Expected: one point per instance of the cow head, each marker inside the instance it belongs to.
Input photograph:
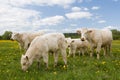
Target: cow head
(84, 33)
(25, 63)
(14, 36)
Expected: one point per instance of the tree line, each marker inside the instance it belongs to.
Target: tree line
(116, 35)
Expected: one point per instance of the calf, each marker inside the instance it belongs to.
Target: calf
(41, 46)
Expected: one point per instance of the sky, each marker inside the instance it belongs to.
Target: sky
(64, 16)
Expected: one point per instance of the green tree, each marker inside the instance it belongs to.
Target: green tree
(116, 34)
(6, 35)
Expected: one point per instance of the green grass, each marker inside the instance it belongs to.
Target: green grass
(79, 68)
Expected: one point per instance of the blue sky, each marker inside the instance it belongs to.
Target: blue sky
(58, 15)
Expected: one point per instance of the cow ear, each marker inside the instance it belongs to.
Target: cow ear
(78, 31)
(27, 57)
(89, 31)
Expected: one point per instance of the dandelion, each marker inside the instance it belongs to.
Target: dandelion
(103, 62)
(27, 71)
(64, 67)
(55, 73)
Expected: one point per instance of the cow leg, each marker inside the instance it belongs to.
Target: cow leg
(64, 55)
(45, 59)
(83, 52)
(70, 52)
(105, 50)
(98, 50)
(79, 52)
(56, 54)
(74, 51)
(109, 49)
(91, 51)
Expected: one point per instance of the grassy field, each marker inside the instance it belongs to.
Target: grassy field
(79, 68)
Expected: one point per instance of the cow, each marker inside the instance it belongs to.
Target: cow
(24, 39)
(41, 46)
(98, 39)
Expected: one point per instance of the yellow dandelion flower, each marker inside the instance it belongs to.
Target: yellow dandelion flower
(103, 62)
(55, 73)
(64, 67)
(27, 71)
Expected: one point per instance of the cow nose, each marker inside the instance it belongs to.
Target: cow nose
(82, 39)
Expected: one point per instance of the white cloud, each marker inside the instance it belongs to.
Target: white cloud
(21, 3)
(102, 21)
(86, 9)
(14, 18)
(73, 25)
(52, 20)
(78, 15)
(76, 9)
(80, 1)
(95, 8)
(20, 19)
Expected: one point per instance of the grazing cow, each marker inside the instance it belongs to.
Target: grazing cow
(41, 46)
(24, 39)
(98, 39)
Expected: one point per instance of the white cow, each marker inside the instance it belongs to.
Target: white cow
(41, 46)
(98, 39)
(68, 41)
(75, 45)
(78, 45)
(24, 39)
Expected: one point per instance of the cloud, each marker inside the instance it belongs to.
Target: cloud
(74, 25)
(86, 9)
(52, 20)
(102, 21)
(21, 3)
(14, 18)
(20, 19)
(80, 1)
(78, 15)
(76, 9)
(95, 8)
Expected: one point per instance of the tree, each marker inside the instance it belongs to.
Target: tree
(6, 35)
(116, 34)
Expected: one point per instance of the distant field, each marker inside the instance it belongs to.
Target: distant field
(79, 68)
